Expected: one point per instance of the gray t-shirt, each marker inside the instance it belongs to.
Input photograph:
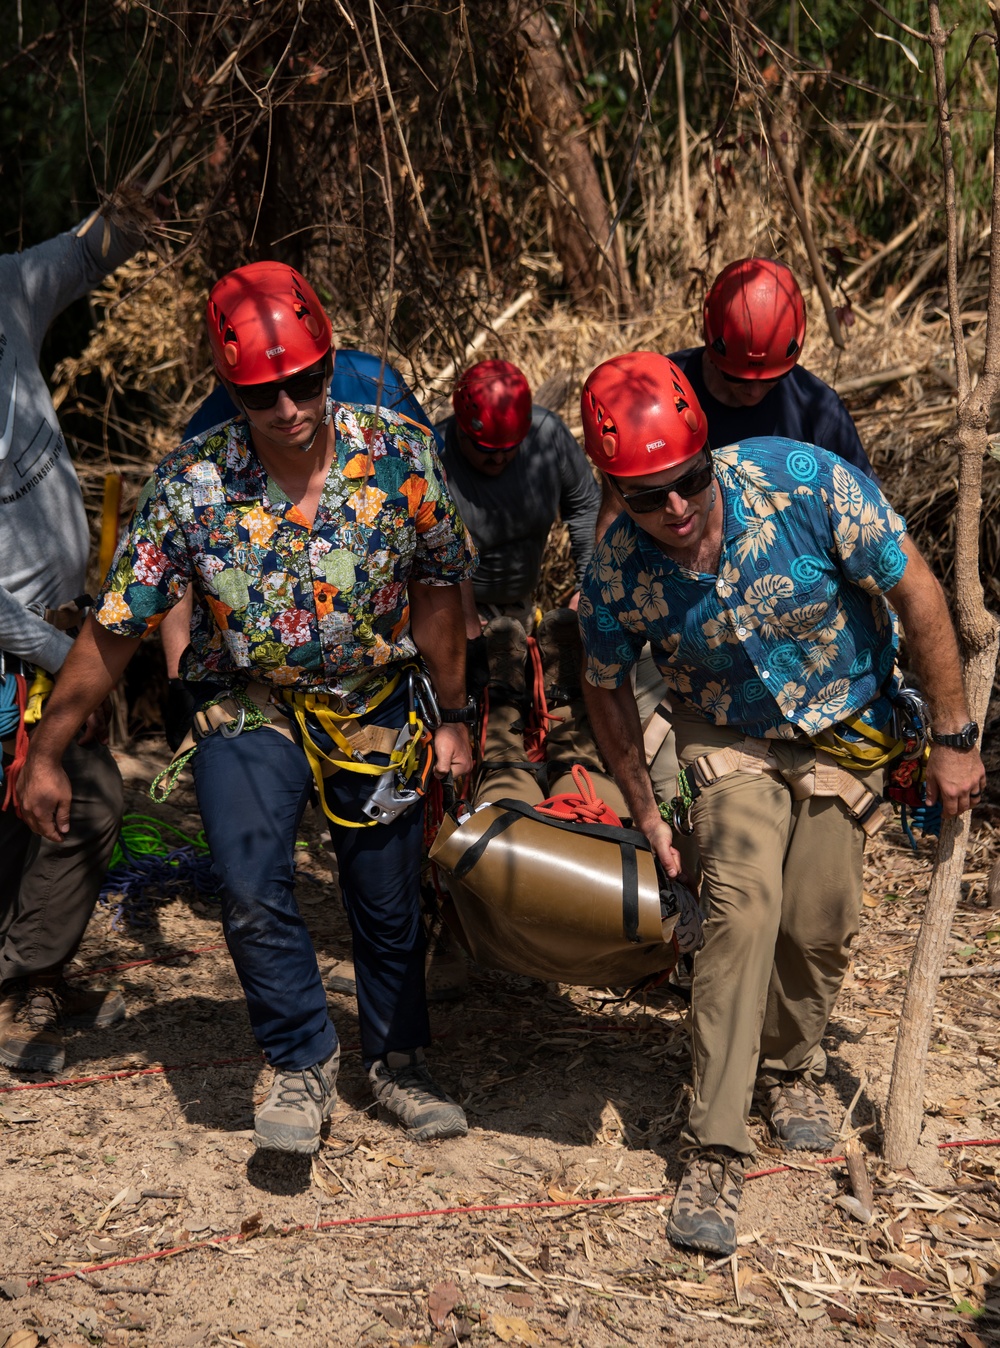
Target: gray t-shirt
(44, 539)
(509, 517)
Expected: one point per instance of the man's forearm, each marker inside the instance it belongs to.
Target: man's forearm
(931, 642)
(438, 628)
(614, 717)
(88, 674)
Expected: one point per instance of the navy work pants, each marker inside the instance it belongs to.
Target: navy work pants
(252, 792)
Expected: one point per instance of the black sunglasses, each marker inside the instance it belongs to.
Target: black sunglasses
(648, 499)
(301, 388)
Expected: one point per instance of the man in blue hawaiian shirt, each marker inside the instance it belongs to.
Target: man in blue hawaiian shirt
(326, 558)
(760, 576)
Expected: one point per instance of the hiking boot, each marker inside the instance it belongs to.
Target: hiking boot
(800, 1118)
(447, 974)
(291, 1117)
(30, 1040)
(88, 1008)
(507, 648)
(402, 1085)
(341, 978)
(703, 1215)
(561, 648)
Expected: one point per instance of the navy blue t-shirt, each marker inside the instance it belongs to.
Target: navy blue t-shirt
(799, 407)
(355, 380)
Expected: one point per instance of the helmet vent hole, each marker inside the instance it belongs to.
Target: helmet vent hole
(793, 347)
(719, 345)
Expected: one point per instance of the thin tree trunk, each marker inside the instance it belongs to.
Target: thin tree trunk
(580, 217)
(977, 630)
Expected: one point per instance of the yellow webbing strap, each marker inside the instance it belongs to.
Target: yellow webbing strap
(875, 750)
(38, 694)
(404, 760)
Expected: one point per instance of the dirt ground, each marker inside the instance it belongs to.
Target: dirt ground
(135, 1210)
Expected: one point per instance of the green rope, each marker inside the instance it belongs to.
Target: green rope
(255, 718)
(678, 812)
(143, 836)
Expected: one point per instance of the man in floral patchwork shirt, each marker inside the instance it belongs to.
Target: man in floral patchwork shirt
(760, 576)
(325, 556)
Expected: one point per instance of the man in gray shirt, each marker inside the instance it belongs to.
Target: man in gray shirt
(47, 890)
(512, 469)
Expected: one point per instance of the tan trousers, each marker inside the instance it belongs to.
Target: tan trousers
(782, 891)
(570, 740)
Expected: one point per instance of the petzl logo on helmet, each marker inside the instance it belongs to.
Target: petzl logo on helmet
(655, 444)
(273, 351)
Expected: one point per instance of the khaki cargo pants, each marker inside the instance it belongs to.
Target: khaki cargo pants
(782, 894)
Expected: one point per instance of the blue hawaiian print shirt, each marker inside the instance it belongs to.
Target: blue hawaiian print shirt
(319, 607)
(793, 633)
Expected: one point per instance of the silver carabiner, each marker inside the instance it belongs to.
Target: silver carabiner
(421, 685)
(231, 729)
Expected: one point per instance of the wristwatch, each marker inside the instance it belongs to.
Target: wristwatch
(965, 738)
(462, 715)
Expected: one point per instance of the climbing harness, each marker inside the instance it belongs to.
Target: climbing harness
(902, 748)
(401, 782)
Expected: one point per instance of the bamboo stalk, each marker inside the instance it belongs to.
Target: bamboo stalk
(682, 126)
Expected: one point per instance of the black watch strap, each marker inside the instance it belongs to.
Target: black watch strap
(459, 715)
(963, 739)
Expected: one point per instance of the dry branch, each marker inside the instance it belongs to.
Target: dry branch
(977, 630)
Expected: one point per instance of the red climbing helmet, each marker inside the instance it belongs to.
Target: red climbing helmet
(755, 320)
(492, 402)
(640, 415)
(265, 323)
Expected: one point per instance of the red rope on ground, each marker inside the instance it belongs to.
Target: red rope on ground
(126, 1072)
(137, 964)
(375, 1218)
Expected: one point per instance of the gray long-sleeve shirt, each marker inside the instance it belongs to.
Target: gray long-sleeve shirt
(509, 517)
(44, 539)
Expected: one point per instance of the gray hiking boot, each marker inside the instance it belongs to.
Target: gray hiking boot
(800, 1118)
(291, 1117)
(703, 1215)
(507, 649)
(30, 1038)
(402, 1085)
(341, 978)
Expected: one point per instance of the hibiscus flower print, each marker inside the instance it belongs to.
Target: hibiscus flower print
(648, 597)
(601, 675)
(716, 702)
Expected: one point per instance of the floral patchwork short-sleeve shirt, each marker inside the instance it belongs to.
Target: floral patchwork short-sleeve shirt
(317, 609)
(793, 633)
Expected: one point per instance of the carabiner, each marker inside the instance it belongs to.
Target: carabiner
(231, 729)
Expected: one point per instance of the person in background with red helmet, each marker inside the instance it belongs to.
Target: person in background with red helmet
(326, 557)
(513, 469)
(761, 575)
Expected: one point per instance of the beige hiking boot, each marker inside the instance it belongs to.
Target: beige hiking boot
(703, 1215)
(291, 1117)
(403, 1085)
(799, 1116)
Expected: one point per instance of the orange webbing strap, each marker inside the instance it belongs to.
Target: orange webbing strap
(585, 808)
(537, 729)
(20, 745)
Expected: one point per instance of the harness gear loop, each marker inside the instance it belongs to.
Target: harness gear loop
(249, 716)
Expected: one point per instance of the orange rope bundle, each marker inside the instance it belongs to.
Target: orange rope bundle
(585, 808)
